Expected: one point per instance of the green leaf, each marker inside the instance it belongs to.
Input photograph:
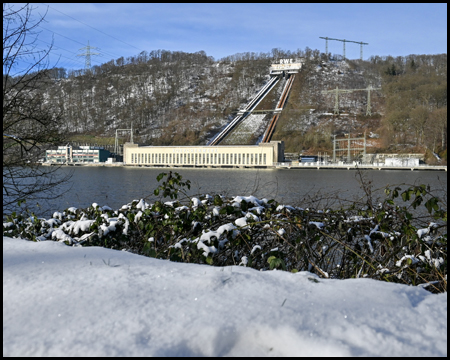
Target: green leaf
(429, 206)
(272, 261)
(380, 216)
(230, 209)
(417, 201)
(405, 195)
(218, 200)
(148, 250)
(275, 262)
(432, 204)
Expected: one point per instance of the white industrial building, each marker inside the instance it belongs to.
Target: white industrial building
(262, 155)
(401, 161)
(80, 154)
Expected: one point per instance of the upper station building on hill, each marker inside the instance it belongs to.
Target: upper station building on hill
(286, 66)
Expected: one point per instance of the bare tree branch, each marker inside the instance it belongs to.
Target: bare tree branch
(30, 124)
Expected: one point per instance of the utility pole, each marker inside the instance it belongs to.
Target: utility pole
(361, 50)
(369, 107)
(334, 149)
(344, 47)
(88, 54)
(365, 144)
(348, 150)
(116, 143)
(326, 45)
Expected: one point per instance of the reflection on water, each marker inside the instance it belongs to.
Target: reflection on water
(115, 186)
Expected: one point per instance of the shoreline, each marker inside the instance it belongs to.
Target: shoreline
(276, 166)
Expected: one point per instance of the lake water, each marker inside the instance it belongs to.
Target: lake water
(116, 186)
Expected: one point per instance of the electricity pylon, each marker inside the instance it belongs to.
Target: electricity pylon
(88, 54)
(336, 98)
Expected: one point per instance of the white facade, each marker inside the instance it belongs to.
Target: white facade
(401, 162)
(264, 154)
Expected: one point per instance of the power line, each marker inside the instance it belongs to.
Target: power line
(93, 27)
(73, 61)
(88, 53)
(55, 47)
(104, 52)
(54, 32)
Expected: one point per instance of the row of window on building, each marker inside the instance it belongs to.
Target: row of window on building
(63, 155)
(199, 159)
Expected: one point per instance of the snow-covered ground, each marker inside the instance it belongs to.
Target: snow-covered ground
(90, 301)
(251, 125)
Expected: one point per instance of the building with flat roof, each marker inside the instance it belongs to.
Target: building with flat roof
(74, 154)
(262, 155)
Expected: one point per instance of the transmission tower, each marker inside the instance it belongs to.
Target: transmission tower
(88, 54)
(336, 97)
(344, 41)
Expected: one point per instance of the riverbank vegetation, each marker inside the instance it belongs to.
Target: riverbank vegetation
(400, 238)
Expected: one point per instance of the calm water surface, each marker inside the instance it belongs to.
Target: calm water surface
(118, 186)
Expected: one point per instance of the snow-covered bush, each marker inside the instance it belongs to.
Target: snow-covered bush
(386, 241)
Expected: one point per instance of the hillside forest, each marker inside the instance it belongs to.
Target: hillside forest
(177, 98)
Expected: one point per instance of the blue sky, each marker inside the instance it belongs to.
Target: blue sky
(225, 29)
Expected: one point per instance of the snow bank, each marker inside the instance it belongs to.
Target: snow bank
(91, 301)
